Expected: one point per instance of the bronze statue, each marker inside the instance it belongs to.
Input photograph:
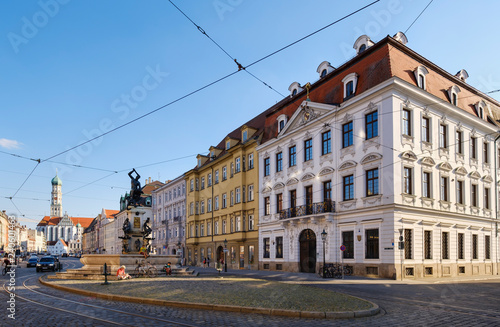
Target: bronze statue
(146, 229)
(135, 188)
(126, 227)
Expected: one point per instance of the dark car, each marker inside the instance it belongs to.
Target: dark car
(32, 262)
(64, 255)
(48, 263)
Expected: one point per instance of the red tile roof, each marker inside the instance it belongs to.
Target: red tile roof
(63, 243)
(111, 213)
(54, 221)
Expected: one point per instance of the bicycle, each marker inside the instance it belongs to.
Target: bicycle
(144, 268)
(5, 270)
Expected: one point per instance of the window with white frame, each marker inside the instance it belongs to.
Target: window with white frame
(250, 192)
(245, 136)
(408, 180)
(426, 129)
(224, 226)
(217, 176)
(407, 122)
(420, 75)
(232, 198)
(350, 83)
(443, 185)
(203, 183)
(224, 173)
(216, 205)
(224, 200)
(238, 195)
(202, 206)
(238, 224)
(238, 165)
(209, 205)
(250, 222)
(250, 161)
(216, 228)
(443, 136)
(228, 145)
(453, 94)
(209, 179)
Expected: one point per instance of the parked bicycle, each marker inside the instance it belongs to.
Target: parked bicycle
(145, 269)
(334, 270)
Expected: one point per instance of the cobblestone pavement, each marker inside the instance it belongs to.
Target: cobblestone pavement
(415, 303)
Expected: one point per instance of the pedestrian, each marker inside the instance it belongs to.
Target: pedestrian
(208, 262)
(121, 274)
(168, 269)
(144, 252)
(205, 263)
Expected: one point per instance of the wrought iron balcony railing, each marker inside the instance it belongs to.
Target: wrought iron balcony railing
(308, 209)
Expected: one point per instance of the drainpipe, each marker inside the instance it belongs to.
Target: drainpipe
(496, 197)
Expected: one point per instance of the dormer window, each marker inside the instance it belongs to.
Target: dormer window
(350, 82)
(453, 94)
(245, 136)
(199, 162)
(462, 75)
(324, 69)
(228, 145)
(212, 154)
(420, 75)
(294, 89)
(362, 43)
(282, 119)
(480, 108)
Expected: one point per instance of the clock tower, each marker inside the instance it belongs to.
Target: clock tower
(56, 198)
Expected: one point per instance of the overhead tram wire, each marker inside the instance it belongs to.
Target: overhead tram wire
(203, 87)
(418, 16)
(199, 89)
(240, 67)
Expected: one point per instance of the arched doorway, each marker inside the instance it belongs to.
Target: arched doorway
(220, 253)
(307, 241)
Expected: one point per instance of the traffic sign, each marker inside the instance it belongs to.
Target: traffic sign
(342, 247)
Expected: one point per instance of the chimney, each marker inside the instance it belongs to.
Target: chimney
(146, 181)
(149, 180)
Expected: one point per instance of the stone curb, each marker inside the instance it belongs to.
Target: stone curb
(228, 308)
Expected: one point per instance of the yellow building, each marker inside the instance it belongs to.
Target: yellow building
(221, 201)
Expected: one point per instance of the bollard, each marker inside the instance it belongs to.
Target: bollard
(106, 274)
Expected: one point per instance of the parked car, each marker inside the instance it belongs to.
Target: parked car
(48, 263)
(32, 261)
(64, 255)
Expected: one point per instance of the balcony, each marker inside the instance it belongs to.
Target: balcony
(308, 209)
(177, 219)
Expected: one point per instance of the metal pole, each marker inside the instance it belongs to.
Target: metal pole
(324, 261)
(342, 256)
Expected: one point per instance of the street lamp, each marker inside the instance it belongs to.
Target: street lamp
(323, 237)
(225, 251)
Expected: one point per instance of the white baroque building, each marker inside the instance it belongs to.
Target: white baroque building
(169, 217)
(386, 147)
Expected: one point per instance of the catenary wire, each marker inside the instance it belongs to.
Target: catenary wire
(240, 67)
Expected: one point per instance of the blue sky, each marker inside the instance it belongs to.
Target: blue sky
(72, 69)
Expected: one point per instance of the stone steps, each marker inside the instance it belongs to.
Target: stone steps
(96, 274)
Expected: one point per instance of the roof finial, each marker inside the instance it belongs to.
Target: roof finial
(308, 87)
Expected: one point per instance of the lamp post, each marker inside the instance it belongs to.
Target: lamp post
(323, 237)
(225, 251)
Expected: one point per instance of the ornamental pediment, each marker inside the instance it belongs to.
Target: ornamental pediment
(326, 171)
(307, 177)
(307, 112)
(488, 179)
(427, 161)
(475, 175)
(409, 155)
(371, 157)
(267, 189)
(461, 171)
(445, 166)
(278, 186)
(348, 164)
(292, 181)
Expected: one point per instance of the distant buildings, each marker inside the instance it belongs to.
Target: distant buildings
(169, 217)
(55, 226)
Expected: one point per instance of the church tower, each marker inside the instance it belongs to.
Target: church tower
(56, 199)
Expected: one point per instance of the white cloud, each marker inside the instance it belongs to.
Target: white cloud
(9, 144)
